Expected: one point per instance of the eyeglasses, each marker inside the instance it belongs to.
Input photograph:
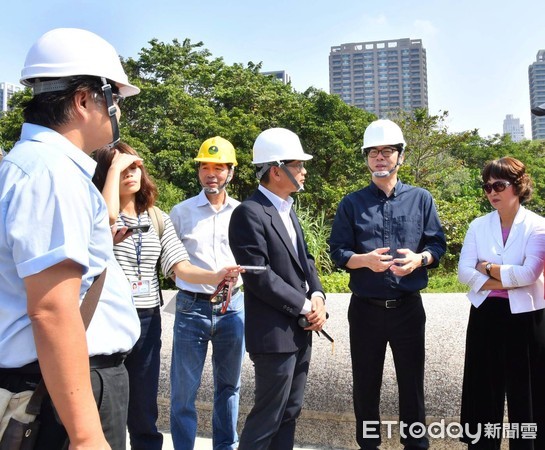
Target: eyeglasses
(118, 99)
(297, 166)
(386, 152)
(498, 186)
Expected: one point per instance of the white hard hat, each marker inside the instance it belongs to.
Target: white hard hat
(66, 52)
(382, 132)
(278, 144)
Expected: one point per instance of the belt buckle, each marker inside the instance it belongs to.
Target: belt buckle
(391, 304)
(223, 294)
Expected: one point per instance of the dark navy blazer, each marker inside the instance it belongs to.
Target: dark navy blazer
(273, 298)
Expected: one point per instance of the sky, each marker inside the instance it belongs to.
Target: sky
(478, 51)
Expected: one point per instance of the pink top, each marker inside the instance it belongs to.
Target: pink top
(501, 292)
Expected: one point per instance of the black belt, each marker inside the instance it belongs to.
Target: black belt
(206, 297)
(388, 303)
(105, 361)
(96, 362)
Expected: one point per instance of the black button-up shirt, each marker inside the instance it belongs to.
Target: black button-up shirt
(367, 219)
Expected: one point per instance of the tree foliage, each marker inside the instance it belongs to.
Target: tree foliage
(188, 95)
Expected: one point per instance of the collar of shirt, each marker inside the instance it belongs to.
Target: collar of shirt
(202, 200)
(283, 207)
(59, 143)
(379, 192)
(279, 203)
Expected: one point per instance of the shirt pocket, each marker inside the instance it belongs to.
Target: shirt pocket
(408, 231)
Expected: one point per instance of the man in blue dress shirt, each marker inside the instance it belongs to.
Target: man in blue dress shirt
(55, 239)
(386, 236)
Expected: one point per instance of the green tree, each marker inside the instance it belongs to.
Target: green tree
(11, 121)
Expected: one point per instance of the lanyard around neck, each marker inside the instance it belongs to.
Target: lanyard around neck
(137, 246)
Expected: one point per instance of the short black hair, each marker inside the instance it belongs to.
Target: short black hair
(54, 108)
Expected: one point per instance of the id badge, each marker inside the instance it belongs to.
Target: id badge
(140, 288)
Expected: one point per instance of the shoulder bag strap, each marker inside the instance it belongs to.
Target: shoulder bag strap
(156, 217)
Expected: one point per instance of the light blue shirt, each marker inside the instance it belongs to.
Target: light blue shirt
(204, 231)
(50, 211)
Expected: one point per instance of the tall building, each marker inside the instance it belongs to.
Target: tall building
(280, 75)
(6, 91)
(513, 127)
(536, 76)
(380, 76)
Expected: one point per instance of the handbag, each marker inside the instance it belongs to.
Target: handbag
(19, 411)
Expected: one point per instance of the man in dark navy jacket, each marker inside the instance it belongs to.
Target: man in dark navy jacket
(264, 231)
(387, 235)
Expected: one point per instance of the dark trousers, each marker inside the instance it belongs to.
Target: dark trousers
(505, 357)
(280, 380)
(143, 365)
(372, 327)
(111, 391)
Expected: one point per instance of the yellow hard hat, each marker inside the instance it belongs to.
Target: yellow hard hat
(217, 150)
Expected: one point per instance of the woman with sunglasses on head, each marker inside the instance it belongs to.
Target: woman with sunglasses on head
(130, 193)
(502, 263)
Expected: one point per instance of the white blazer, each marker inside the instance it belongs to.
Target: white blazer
(521, 259)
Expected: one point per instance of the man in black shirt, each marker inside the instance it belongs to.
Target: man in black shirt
(386, 236)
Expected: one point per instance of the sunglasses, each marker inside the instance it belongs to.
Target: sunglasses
(498, 186)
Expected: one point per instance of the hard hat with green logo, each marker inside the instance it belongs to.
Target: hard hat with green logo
(217, 150)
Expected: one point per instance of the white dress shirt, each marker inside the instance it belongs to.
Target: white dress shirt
(204, 231)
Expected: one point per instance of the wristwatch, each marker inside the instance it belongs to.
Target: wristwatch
(424, 260)
(487, 268)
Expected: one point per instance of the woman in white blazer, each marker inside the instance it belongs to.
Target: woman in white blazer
(502, 263)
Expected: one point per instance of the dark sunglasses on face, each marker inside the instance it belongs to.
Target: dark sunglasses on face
(498, 186)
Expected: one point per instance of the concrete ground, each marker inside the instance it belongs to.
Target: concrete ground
(327, 420)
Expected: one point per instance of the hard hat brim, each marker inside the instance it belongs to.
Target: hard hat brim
(300, 157)
(127, 90)
(215, 160)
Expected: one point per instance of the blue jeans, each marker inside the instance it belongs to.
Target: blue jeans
(143, 365)
(198, 322)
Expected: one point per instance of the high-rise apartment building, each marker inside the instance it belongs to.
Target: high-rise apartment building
(6, 91)
(380, 76)
(536, 76)
(513, 127)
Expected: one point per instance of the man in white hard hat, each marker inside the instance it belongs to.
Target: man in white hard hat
(202, 224)
(55, 239)
(264, 231)
(387, 235)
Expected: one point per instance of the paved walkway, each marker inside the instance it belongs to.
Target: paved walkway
(327, 420)
(200, 444)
